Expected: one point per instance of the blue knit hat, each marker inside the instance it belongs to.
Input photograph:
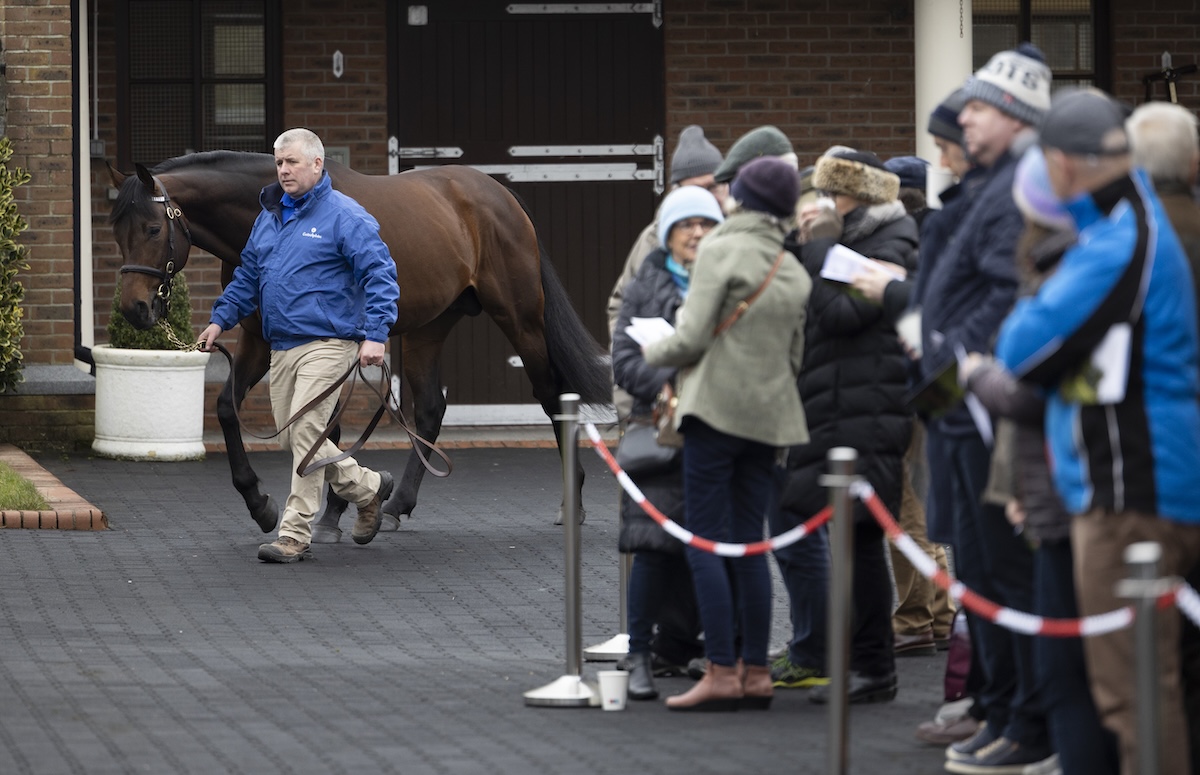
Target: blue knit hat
(911, 170)
(686, 202)
(943, 121)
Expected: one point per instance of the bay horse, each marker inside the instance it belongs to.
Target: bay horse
(463, 244)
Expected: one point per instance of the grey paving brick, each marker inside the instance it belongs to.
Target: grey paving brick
(164, 646)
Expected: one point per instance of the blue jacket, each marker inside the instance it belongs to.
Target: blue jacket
(325, 274)
(1140, 452)
(973, 282)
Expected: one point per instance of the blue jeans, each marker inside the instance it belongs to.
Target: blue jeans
(1083, 745)
(728, 484)
(993, 560)
(804, 567)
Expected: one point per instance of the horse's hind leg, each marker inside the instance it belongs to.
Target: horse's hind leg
(325, 529)
(422, 348)
(252, 361)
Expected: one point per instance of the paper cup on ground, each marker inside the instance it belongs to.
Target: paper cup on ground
(614, 688)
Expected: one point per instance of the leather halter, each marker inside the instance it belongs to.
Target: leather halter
(167, 274)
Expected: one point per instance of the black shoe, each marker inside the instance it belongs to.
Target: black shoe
(641, 677)
(861, 689)
(661, 668)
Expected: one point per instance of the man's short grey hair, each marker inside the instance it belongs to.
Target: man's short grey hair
(1164, 140)
(305, 139)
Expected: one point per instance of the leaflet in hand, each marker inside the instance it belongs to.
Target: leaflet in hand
(842, 264)
(646, 331)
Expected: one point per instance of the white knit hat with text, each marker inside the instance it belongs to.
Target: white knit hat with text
(1016, 82)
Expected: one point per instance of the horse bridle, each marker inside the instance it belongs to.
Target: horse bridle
(166, 275)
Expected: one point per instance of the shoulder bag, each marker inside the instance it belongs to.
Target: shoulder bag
(668, 398)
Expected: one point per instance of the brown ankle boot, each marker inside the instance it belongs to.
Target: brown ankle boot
(720, 689)
(756, 687)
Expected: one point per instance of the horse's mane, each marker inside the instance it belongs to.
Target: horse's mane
(133, 200)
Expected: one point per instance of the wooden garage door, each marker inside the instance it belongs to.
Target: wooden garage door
(564, 104)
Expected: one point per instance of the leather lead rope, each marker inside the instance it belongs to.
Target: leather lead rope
(305, 467)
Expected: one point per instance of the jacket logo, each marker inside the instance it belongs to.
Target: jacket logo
(311, 233)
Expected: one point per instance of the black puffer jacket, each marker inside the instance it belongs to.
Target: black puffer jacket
(653, 293)
(855, 372)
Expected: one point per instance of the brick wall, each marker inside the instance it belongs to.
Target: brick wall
(350, 111)
(1141, 33)
(37, 44)
(832, 73)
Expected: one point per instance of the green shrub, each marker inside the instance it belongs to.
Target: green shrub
(179, 317)
(12, 261)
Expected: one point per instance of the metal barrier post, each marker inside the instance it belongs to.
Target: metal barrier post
(841, 601)
(570, 690)
(1144, 586)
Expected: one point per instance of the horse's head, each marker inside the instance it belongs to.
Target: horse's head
(154, 239)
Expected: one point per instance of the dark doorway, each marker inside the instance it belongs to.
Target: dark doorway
(566, 108)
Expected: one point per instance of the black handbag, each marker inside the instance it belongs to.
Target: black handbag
(639, 452)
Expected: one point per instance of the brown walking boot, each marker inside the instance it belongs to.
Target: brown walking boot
(757, 690)
(285, 549)
(719, 690)
(369, 516)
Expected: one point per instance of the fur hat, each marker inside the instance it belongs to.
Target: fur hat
(1085, 122)
(943, 121)
(1015, 82)
(763, 141)
(767, 185)
(1035, 197)
(694, 155)
(683, 203)
(858, 174)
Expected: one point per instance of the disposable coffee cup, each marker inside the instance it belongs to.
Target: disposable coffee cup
(614, 689)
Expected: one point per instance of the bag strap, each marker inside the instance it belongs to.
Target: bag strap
(745, 303)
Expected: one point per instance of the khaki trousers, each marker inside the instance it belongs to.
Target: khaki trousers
(1099, 539)
(922, 604)
(298, 375)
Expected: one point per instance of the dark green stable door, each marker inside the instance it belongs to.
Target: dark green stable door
(564, 104)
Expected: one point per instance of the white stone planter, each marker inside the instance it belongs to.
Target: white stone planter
(149, 404)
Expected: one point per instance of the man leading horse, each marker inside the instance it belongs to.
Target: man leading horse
(325, 285)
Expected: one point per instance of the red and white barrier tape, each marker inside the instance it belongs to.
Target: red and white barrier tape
(688, 537)
(1017, 621)
(1183, 596)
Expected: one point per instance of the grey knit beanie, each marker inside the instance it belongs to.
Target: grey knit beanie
(763, 141)
(694, 155)
(1015, 82)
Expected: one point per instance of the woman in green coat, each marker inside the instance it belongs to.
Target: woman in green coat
(738, 407)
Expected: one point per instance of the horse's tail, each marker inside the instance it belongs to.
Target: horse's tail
(581, 364)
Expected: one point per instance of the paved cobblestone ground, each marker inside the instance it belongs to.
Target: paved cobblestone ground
(164, 646)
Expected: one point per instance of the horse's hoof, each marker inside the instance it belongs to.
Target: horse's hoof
(268, 516)
(582, 516)
(389, 523)
(326, 535)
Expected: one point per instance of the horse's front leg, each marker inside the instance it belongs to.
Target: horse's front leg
(252, 361)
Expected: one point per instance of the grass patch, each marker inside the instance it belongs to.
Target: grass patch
(18, 493)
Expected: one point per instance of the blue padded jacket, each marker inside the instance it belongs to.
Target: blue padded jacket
(1138, 452)
(325, 274)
